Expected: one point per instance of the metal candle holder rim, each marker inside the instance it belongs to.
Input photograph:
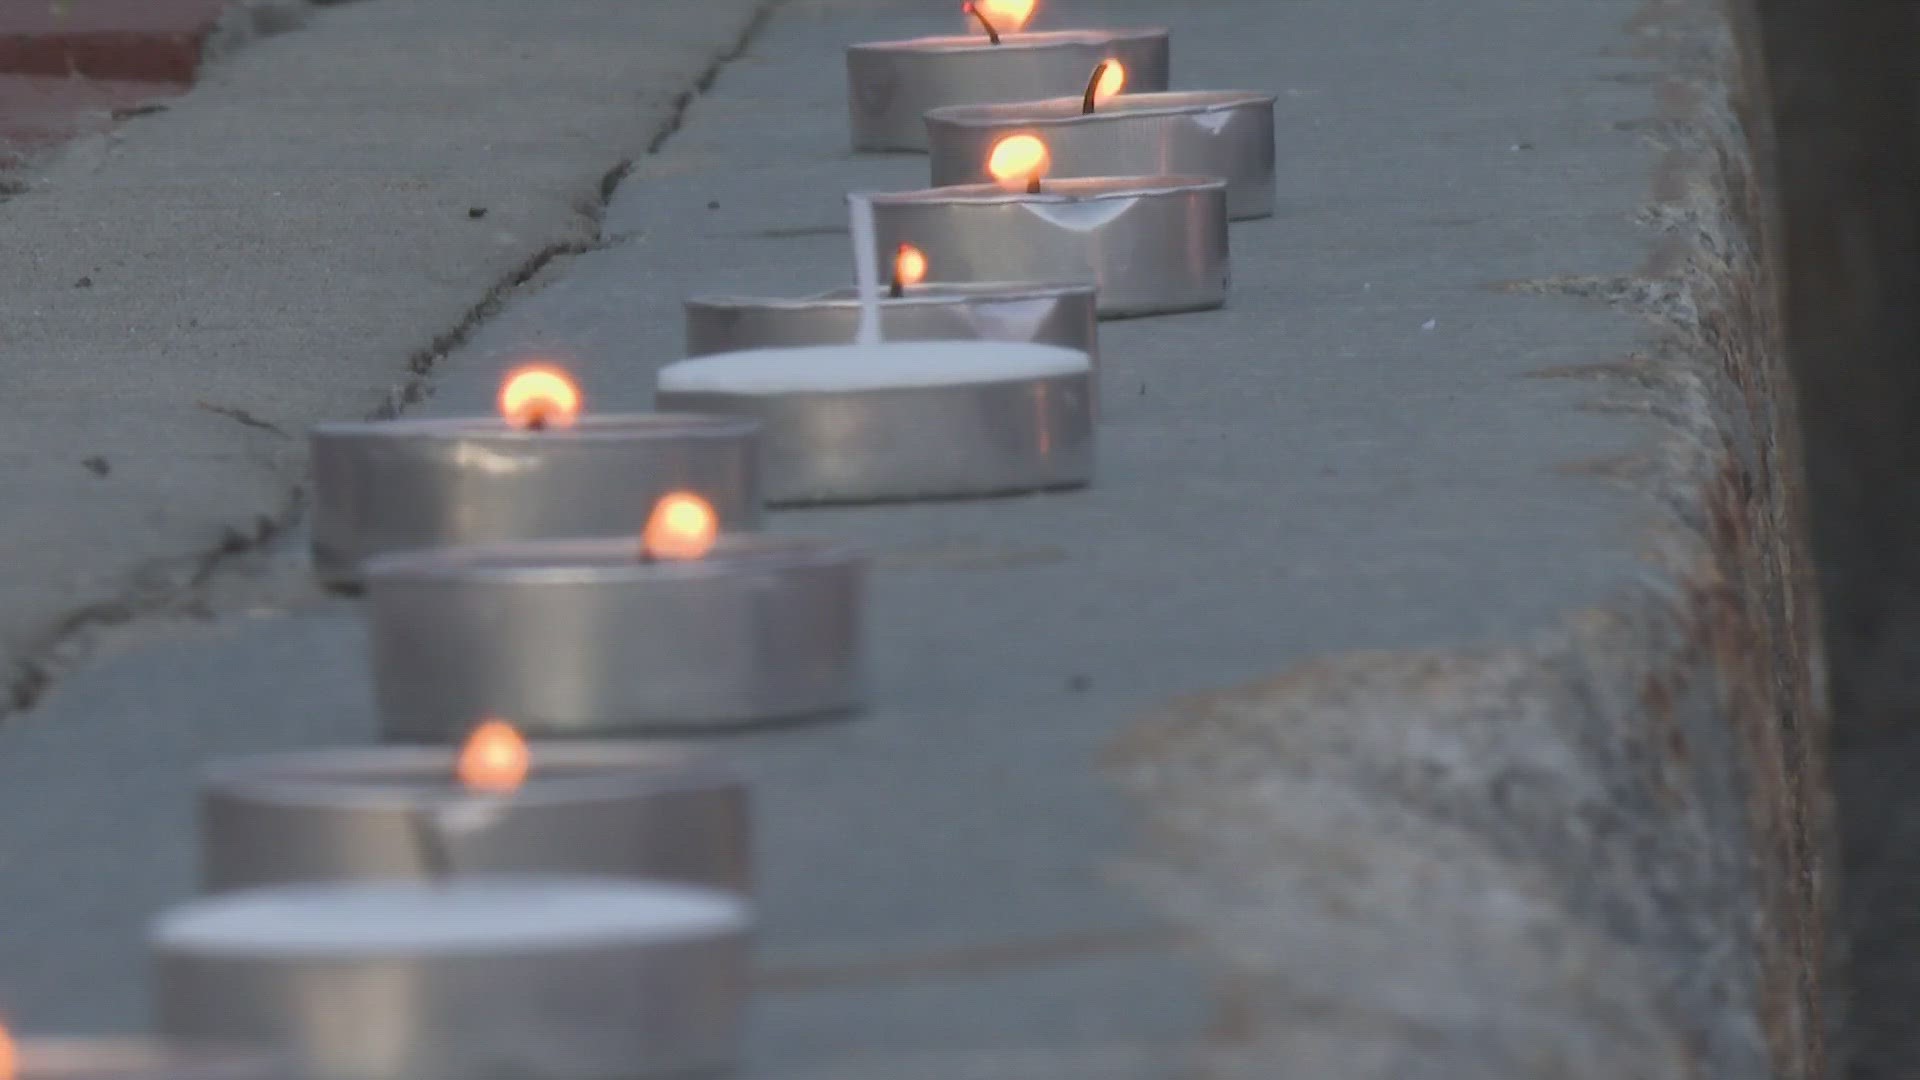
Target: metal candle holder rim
(592, 428)
(1079, 189)
(604, 767)
(1068, 111)
(604, 561)
(1011, 40)
(103, 1059)
(929, 293)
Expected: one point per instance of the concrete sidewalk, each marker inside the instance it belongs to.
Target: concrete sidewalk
(323, 216)
(1477, 855)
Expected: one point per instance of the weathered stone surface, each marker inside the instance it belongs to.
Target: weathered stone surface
(1597, 854)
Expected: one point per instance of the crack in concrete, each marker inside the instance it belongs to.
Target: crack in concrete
(242, 416)
(168, 586)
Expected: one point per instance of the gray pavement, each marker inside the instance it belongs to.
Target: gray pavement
(1353, 455)
(275, 247)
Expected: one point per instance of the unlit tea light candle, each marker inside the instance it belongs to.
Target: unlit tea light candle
(471, 977)
(498, 804)
(903, 420)
(1228, 134)
(684, 629)
(1149, 244)
(892, 84)
(543, 469)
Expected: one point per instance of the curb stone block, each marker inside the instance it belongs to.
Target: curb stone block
(134, 40)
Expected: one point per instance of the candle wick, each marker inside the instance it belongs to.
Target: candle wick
(993, 34)
(1093, 88)
(537, 420)
(430, 842)
(1033, 184)
(898, 289)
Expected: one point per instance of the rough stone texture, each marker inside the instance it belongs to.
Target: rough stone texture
(1601, 854)
(1833, 101)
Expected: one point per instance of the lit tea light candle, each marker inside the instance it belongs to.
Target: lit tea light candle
(690, 628)
(544, 468)
(126, 1059)
(498, 804)
(913, 310)
(894, 83)
(1150, 244)
(1102, 132)
(468, 977)
(878, 420)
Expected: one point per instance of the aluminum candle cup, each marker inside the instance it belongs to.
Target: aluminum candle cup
(1061, 315)
(614, 809)
(1228, 134)
(903, 420)
(582, 638)
(1150, 245)
(400, 485)
(892, 84)
(63, 1059)
(465, 978)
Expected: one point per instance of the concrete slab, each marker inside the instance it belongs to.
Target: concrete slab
(287, 243)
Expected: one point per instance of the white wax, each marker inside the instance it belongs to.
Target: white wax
(467, 913)
(866, 271)
(887, 366)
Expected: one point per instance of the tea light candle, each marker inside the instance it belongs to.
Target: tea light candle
(894, 83)
(1150, 244)
(127, 1059)
(903, 420)
(470, 977)
(1061, 315)
(540, 470)
(685, 630)
(1228, 134)
(496, 805)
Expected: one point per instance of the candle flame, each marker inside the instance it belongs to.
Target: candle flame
(1112, 80)
(1018, 161)
(682, 528)
(539, 396)
(1005, 15)
(494, 761)
(909, 265)
(9, 1055)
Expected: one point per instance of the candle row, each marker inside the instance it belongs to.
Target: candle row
(582, 909)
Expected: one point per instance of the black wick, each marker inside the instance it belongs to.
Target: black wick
(1033, 183)
(1093, 87)
(430, 841)
(899, 288)
(993, 35)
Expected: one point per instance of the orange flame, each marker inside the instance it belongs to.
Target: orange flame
(1019, 161)
(9, 1055)
(909, 265)
(1113, 79)
(539, 396)
(495, 760)
(682, 528)
(1006, 15)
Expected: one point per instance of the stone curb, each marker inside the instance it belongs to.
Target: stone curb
(1597, 854)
